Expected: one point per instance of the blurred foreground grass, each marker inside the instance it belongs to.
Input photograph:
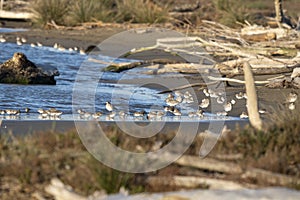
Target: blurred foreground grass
(35, 159)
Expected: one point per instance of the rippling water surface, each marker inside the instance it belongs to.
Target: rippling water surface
(125, 96)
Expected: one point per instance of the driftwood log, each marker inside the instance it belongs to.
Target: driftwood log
(252, 102)
(209, 164)
(192, 182)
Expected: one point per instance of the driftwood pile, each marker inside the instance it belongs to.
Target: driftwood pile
(269, 51)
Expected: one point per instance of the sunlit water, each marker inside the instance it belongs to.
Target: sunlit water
(59, 96)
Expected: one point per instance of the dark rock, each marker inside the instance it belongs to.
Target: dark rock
(20, 70)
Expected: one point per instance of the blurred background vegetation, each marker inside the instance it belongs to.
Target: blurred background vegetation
(228, 12)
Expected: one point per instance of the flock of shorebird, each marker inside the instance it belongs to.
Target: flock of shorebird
(173, 104)
(22, 40)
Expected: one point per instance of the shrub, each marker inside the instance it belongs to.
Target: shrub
(231, 11)
(89, 10)
(46, 11)
(141, 11)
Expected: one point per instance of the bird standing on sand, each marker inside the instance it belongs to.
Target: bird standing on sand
(292, 97)
(292, 106)
(228, 107)
(244, 115)
(204, 103)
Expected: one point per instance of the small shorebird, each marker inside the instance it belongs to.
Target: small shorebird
(27, 110)
(177, 93)
(87, 115)
(80, 111)
(292, 106)
(169, 97)
(152, 115)
(232, 101)
(179, 99)
(61, 48)
(108, 106)
(160, 114)
(244, 115)
(213, 94)
(19, 43)
(82, 52)
(240, 95)
(292, 97)
(204, 103)
(122, 114)
(41, 111)
(96, 115)
(187, 95)
(176, 112)
(188, 100)
(228, 107)
(220, 100)
(111, 115)
(139, 113)
(171, 102)
(2, 112)
(32, 45)
(23, 40)
(262, 111)
(39, 44)
(2, 39)
(205, 92)
(53, 112)
(168, 109)
(199, 113)
(55, 46)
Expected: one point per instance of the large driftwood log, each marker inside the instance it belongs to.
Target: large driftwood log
(192, 182)
(209, 164)
(264, 176)
(62, 192)
(252, 98)
(260, 37)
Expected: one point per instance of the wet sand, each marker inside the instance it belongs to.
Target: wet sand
(22, 127)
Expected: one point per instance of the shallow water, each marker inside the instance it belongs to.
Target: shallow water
(125, 96)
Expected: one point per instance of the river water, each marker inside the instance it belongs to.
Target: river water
(126, 96)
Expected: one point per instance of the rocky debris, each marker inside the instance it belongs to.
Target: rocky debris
(20, 70)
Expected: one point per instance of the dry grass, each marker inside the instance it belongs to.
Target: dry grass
(90, 10)
(46, 11)
(276, 149)
(141, 11)
(34, 159)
